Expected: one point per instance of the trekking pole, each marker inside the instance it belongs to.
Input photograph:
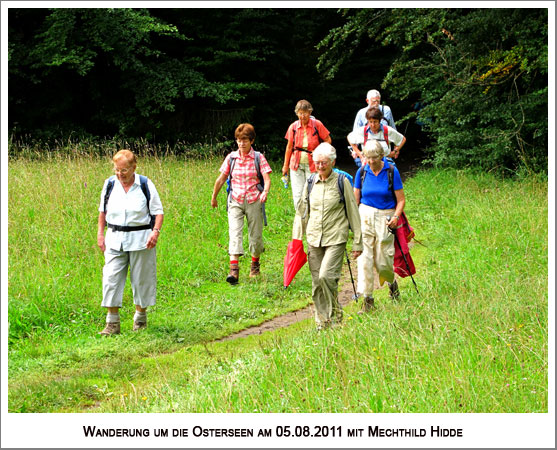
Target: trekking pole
(355, 296)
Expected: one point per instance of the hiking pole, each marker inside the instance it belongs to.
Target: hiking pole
(355, 296)
(403, 256)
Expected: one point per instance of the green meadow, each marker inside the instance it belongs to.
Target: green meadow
(475, 339)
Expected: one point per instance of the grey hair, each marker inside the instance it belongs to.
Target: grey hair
(303, 105)
(373, 93)
(325, 149)
(373, 150)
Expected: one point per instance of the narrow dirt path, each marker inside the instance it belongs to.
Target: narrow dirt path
(345, 296)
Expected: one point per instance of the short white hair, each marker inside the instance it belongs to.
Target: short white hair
(373, 149)
(325, 149)
(373, 93)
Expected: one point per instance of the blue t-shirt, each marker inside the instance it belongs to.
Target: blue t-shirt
(375, 191)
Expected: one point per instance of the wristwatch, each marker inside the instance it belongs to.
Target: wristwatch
(157, 229)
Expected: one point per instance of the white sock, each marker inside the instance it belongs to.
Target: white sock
(140, 316)
(112, 318)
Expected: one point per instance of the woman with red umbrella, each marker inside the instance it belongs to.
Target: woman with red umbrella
(326, 221)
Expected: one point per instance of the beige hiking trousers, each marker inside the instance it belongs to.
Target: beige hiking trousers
(379, 249)
(325, 264)
(254, 215)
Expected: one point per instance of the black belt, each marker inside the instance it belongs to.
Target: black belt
(301, 150)
(126, 228)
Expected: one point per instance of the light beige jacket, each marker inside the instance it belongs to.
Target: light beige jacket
(326, 222)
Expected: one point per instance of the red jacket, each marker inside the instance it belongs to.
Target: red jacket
(316, 133)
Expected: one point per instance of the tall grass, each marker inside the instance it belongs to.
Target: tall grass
(473, 340)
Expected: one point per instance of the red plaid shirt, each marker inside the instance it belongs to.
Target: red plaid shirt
(244, 177)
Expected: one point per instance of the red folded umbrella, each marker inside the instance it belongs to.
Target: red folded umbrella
(294, 259)
(403, 264)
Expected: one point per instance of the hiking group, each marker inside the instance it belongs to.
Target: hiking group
(328, 203)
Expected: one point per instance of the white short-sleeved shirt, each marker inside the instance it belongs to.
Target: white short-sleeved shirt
(357, 137)
(129, 209)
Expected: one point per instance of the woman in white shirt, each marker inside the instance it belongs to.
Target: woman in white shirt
(131, 208)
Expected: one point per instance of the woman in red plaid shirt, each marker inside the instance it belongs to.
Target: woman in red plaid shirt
(245, 200)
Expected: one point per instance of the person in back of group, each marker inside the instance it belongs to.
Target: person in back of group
(303, 136)
(128, 203)
(326, 221)
(246, 199)
(375, 130)
(373, 99)
(379, 211)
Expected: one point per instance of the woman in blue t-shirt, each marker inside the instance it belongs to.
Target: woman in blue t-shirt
(379, 211)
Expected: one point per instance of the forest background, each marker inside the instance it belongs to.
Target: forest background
(468, 87)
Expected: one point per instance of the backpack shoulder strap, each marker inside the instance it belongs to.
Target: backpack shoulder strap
(362, 176)
(341, 178)
(145, 188)
(316, 131)
(391, 176)
(231, 162)
(385, 134)
(257, 161)
(311, 183)
(109, 187)
(366, 129)
(312, 121)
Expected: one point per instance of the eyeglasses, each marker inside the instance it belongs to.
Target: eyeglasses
(122, 171)
(322, 163)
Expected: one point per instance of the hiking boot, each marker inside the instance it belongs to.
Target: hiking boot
(254, 269)
(394, 293)
(234, 274)
(367, 304)
(139, 325)
(110, 329)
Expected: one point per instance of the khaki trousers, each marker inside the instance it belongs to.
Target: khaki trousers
(254, 215)
(379, 249)
(143, 276)
(298, 179)
(325, 264)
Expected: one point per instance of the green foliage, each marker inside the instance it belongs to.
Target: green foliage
(126, 60)
(162, 74)
(475, 340)
(480, 75)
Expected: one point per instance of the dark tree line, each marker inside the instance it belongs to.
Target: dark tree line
(481, 76)
(474, 80)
